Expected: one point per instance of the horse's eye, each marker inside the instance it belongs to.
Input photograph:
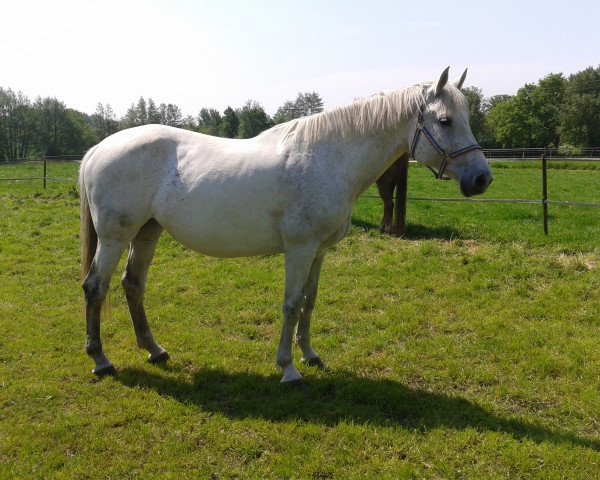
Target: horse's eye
(445, 121)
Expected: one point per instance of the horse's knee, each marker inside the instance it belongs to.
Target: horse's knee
(131, 285)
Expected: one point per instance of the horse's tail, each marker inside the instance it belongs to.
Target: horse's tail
(87, 232)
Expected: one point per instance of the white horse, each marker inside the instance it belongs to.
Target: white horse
(289, 190)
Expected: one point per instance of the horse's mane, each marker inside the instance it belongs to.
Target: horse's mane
(365, 116)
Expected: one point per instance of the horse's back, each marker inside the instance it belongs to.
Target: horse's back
(218, 196)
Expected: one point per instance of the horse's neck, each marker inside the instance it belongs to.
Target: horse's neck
(368, 157)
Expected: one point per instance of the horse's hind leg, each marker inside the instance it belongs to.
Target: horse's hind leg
(141, 252)
(95, 287)
(309, 356)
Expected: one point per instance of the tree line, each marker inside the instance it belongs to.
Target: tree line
(46, 127)
(555, 112)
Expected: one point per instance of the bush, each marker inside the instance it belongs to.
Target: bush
(567, 150)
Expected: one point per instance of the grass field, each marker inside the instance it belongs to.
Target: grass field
(471, 349)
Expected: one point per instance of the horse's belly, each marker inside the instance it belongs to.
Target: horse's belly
(221, 235)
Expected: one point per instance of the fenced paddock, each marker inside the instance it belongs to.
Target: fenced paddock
(38, 170)
(591, 163)
(470, 350)
(554, 191)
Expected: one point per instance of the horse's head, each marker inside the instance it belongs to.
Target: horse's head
(442, 138)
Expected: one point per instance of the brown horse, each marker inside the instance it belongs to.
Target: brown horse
(386, 184)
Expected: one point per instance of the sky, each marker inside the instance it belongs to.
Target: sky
(222, 53)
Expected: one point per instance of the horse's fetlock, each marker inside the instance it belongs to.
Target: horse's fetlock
(283, 360)
(145, 340)
(303, 341)
(90, 290)
(93, 348)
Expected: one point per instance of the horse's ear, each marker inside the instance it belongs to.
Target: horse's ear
(442, 82)
(459, 83)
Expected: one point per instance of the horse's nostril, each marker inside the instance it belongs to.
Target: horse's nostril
(481, 180)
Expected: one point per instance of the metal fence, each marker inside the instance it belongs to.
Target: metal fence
(513, 155)
(525, 153)
(402, 196)
(44, 168)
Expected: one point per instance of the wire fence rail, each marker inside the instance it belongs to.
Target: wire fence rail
(525, 153)
(44, 174)
(401, 196)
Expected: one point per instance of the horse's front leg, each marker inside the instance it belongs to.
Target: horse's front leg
(309, 356)
(386, 192)
(298, 264)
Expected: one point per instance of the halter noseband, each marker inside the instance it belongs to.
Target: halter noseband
(446, 157)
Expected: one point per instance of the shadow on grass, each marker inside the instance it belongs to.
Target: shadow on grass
(335, 397)
(421, 232)
(414, 231)
(364, 224)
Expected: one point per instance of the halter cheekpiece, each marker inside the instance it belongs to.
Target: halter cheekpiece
(446, 157)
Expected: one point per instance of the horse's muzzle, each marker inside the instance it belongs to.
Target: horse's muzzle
(476, 184)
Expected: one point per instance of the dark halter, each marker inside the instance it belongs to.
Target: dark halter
(446, 157)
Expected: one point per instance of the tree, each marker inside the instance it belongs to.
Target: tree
(474, 97)
(189, 123)
(491, 102)
(51, 119)
(104, 121)
(170, 115)
(253, 120)
(17, 125)
(309, 103)
(78, 133)
(209, 121)
(547, 101)
(142, 111)
(580, 120)
(230, 124)
(153, 113)
(502, 123)
(137, 114)
(62, 130)
(305, 104)
(580, 115)
(530, 118)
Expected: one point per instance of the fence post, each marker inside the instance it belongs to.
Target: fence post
(401, 192)
(45, 169)
(545, 193)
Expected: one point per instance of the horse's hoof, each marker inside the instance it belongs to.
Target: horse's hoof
(162, 357)
(107, 370)
(290, 374)
(314, 362)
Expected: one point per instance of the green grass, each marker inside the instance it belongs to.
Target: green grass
(469, 350)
